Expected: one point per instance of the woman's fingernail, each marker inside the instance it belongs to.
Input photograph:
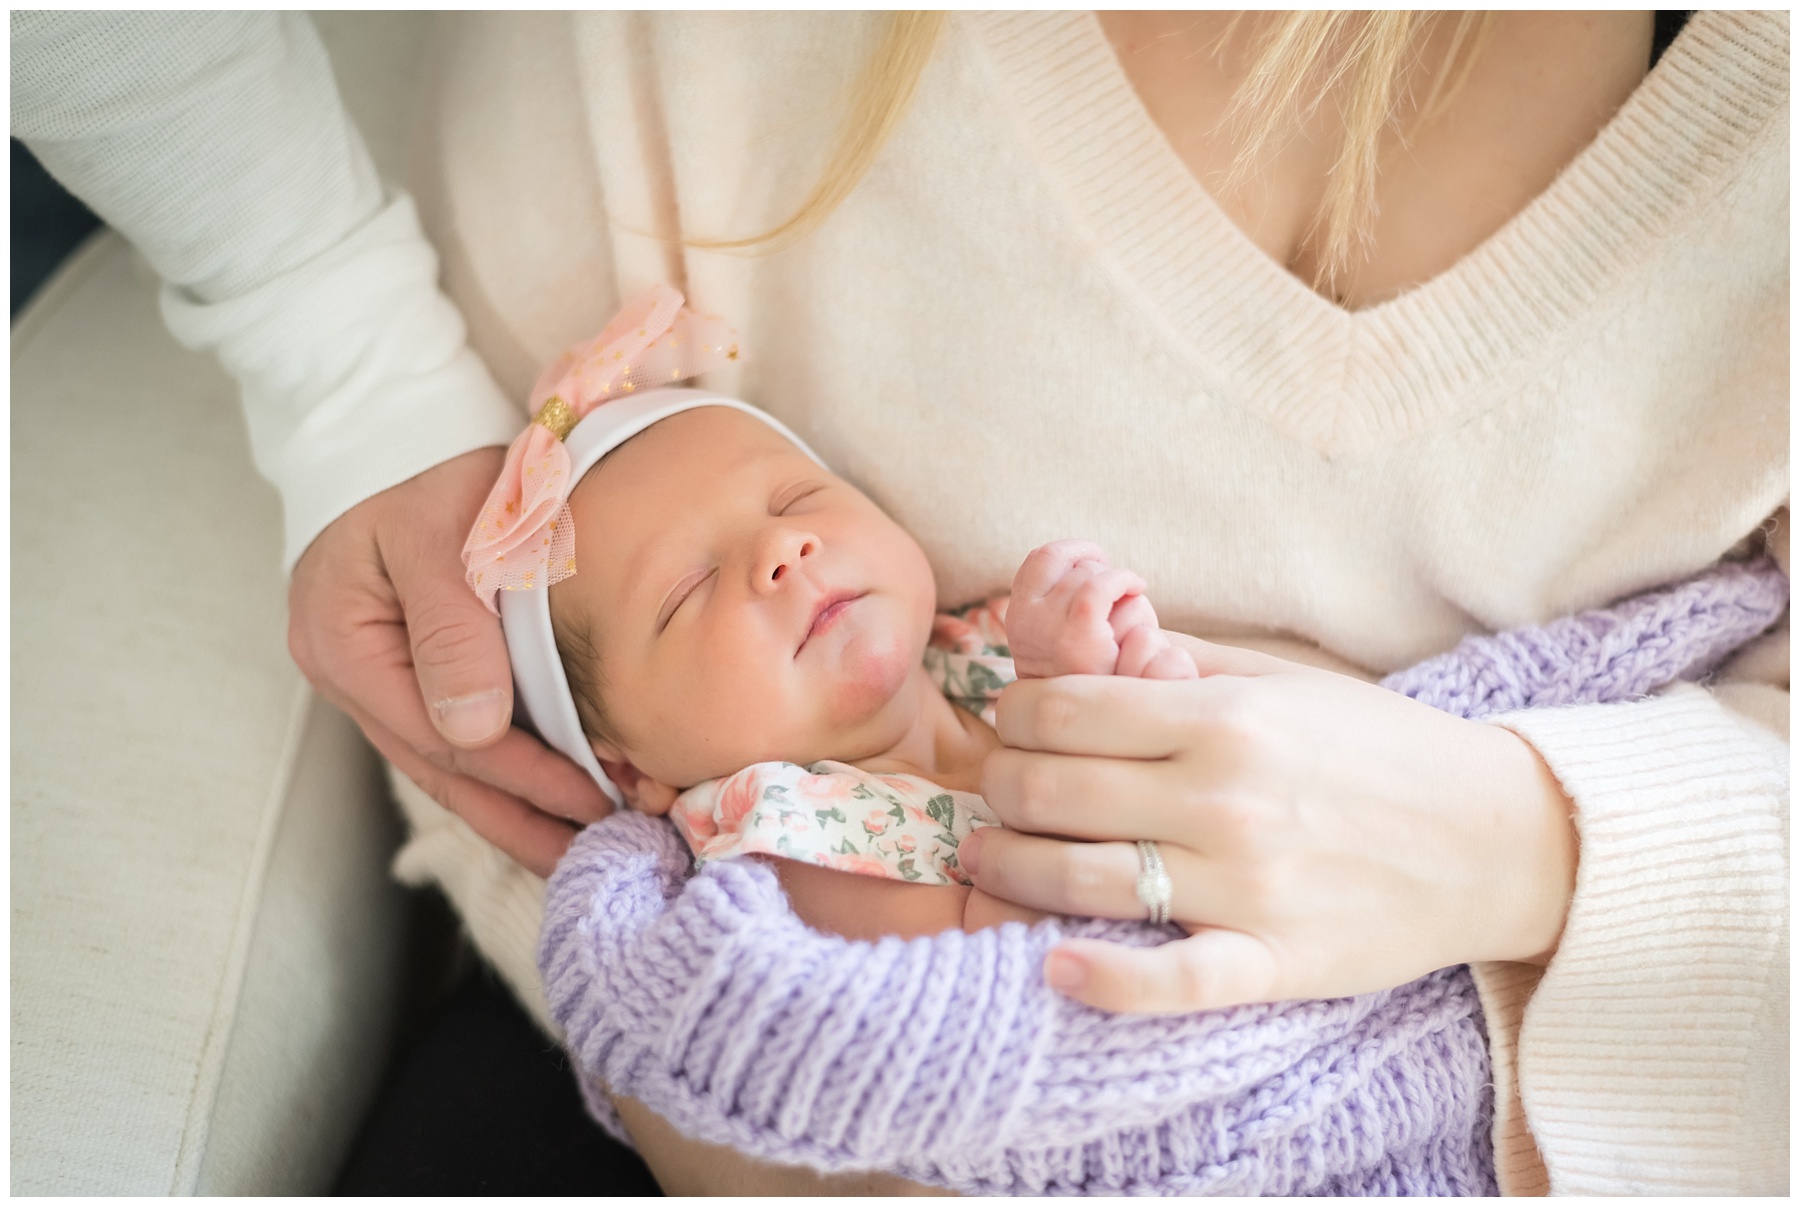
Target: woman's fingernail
(475, 717)
(1064, 972)
(968, 856)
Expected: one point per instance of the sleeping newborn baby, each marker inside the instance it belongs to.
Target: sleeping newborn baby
(751, 646)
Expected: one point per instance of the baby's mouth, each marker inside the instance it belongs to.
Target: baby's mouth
(826, 613)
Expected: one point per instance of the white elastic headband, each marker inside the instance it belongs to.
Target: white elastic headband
(541, 695)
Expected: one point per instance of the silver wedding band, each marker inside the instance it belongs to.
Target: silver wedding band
(1154, 888)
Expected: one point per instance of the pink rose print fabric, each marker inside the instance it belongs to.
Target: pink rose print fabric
(968, 656)
(898, 827)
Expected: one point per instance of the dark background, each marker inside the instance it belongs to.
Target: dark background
(47, 223)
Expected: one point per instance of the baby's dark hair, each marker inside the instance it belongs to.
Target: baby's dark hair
(581, 667)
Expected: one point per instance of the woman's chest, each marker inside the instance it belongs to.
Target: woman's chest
(1026, 324)
(1485, 114)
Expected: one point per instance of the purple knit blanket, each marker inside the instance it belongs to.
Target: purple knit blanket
(947, 1060)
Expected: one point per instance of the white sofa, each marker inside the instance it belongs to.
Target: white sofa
(206, 939)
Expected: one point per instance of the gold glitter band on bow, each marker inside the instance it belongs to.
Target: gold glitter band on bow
(558, 416)
(524, 537)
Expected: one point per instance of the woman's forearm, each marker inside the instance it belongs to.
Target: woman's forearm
(1535, 823)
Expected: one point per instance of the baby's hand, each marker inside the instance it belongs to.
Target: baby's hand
(1074, 613)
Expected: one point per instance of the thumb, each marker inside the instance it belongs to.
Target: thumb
(1212, 968)
(459, 655)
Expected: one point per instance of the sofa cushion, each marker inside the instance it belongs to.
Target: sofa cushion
(205, 943)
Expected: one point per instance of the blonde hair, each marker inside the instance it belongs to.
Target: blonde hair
(883, 95)
(573, 630)
(1363, 57)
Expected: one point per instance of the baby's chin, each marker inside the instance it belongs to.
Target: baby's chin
(871, 670)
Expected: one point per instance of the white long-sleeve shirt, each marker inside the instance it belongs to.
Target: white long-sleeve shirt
(217, 144)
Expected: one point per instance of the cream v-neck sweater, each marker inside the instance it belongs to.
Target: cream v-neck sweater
(1030, 322)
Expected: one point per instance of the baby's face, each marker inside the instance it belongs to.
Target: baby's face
(746, 605)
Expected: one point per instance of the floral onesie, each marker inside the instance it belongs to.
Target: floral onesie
(899, 827)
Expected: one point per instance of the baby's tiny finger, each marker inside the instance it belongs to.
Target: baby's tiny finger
(1171, 662)
(1094, 602)
(1138, 651)
(1045, 565)
(1131, 612)
(1072, 582)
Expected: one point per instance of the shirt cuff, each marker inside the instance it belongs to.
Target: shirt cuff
(1650, 1057)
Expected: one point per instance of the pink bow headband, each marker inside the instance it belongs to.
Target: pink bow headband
(524, 539)
(524, 536)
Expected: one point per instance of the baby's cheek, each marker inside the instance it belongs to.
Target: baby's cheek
(703, 724)
(874, 667)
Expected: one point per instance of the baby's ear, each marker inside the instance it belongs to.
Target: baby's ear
(640, 791)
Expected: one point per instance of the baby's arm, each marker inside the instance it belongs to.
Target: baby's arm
(868, 907)
(1073, 613)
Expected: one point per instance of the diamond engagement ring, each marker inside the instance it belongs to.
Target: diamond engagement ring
(1154, 888)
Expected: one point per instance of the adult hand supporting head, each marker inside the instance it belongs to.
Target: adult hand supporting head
(383, 625)
(1324, 836)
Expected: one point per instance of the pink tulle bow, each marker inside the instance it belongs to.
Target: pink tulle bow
(525, 535)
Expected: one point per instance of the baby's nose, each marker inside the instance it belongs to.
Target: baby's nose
(783, 551)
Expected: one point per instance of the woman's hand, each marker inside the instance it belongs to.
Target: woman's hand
(1324, 836)
(383, 625)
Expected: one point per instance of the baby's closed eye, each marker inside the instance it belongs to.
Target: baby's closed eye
(788, 496)
(679, 594)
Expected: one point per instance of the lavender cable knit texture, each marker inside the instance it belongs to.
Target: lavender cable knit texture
(1607, 655)
(947, 1060)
